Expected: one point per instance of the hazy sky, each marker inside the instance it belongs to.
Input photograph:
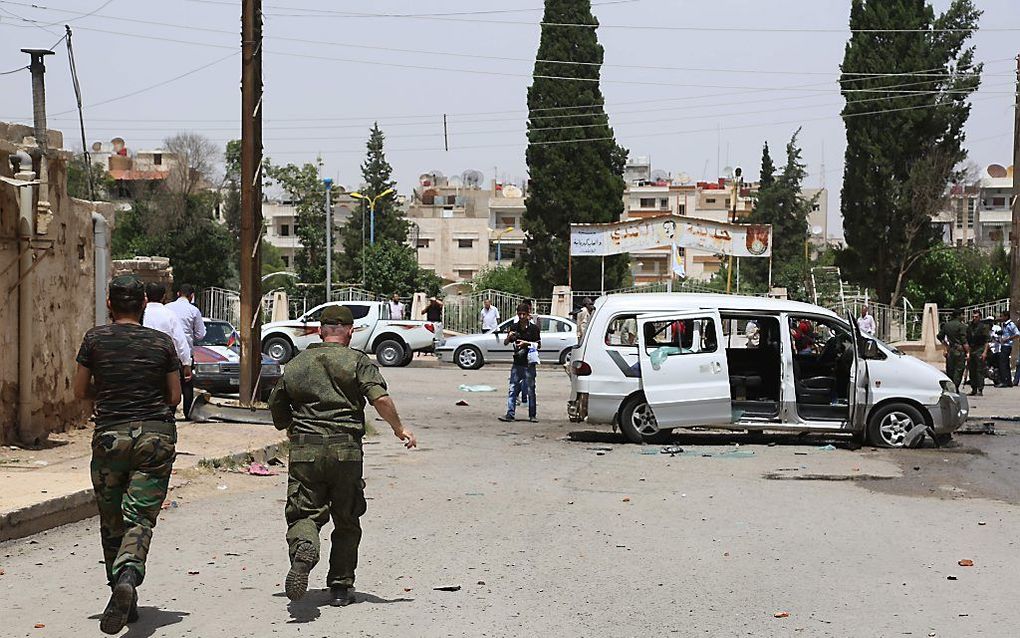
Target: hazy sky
(691, 99)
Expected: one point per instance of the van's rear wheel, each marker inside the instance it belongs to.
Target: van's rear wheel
(890, 424)
(638, 424)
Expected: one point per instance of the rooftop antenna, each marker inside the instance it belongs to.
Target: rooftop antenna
(823, 165)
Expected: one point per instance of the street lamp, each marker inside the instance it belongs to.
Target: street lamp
(499, 243)
(371, 208)
(328, 183)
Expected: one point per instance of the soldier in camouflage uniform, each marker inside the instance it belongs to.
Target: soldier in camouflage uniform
(954, 335)
(131, 373)
(320, 401)
(979, 334)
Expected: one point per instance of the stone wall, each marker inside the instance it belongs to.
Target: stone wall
(64, 300)
(147, 269)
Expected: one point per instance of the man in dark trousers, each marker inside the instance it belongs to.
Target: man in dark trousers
(320, 401)
(526, 338)
(132, 375)
(954, 335)
(978, 334)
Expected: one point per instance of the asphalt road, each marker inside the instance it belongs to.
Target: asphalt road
(551, 534)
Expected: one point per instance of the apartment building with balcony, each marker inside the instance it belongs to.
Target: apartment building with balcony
(979, 214)
(280, 218)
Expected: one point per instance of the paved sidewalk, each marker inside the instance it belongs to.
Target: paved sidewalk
(49, 487)
(997, 402)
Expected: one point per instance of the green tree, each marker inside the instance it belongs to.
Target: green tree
(574, 162)
(510, 279)
(907, 79)
(957, 277)
(391, 267)
(307, 193)
(779, 202)
(78, 180)
(390, 224)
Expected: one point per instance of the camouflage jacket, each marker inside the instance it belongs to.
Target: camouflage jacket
(954, 332)
(324, 390)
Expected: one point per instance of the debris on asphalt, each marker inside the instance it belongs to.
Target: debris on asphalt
(982, 523)
(39, 625)
(672, 450)
(193, 573)
(599, 449)
(626, 499)
(447, 588)
(965, 562)
(221, 487)
(258, 469)
(985, 427)
(481, 582)
(736, 454)
(950, 577)
(476, 388)
(782, 614)
(462, 403)
(828, 447)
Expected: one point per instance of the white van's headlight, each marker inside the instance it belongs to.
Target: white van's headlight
(948, 387)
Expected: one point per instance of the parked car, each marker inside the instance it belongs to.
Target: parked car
(217, 362)
(470, 352)
(393, 341)
(650, 363)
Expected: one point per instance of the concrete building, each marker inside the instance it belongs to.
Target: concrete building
(979, 214)
(51, 274)
(280, 218)
(136, 174)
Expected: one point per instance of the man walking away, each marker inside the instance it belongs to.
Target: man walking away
(320, 401)
(978, 335)
(1006, 337)
(583, 316)
(157, 317)
(434, 314)
(954, 335)
(396, 307)
(489, 316)
(527, 340)
(131, 374)
(866, 323)
(191, 322)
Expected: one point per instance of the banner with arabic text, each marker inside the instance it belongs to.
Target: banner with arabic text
(739, 240)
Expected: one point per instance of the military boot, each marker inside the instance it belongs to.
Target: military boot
(122, 600)
(341, 596)
(301, 564)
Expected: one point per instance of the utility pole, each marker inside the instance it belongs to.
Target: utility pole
(251, 199)
(1014, 234)
(329, 240)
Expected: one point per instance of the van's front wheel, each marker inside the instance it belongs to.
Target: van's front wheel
(890, 424)
(638, 424)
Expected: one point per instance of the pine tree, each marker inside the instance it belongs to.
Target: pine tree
(779, 202)
(390, 224)
(902, 145)
(306, 192)
(575, 165)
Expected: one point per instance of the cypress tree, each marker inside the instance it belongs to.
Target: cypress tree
(574, 162)
(906, 95)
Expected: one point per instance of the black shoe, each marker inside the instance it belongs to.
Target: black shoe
(533, 419)
(981, 392)
(341, 596)
(133, 614)
(117, 611)
(507, 418)
(972, 393)
(301, 564)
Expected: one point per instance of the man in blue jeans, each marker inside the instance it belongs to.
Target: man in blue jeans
(525, 336)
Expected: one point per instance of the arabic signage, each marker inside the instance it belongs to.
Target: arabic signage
(739, 240)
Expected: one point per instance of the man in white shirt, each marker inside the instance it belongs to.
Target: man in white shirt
(396, 308)
(158, 317)
(191, 322)
(583, 315)
(489, 316)
(866, 322)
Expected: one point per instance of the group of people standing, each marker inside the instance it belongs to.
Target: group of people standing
(977, 346)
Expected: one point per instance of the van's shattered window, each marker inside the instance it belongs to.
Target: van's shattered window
(685, 336)
(622, 331)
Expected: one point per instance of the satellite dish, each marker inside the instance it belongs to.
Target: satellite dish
(659, 175)
(683, 178)
(472, 178)
(512, 191)
(438, 178)
(97, 146)
(816, 230)
(118, 144)
(997, 170)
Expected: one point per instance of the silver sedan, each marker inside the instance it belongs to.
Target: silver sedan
(470, 352)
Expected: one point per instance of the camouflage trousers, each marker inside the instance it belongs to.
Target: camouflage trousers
(325, 482)
(976, 368)
(131, 467)
(956, 362)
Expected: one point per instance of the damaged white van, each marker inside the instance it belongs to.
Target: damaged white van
(651, 363)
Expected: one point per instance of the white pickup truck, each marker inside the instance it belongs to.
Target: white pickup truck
(393, 341)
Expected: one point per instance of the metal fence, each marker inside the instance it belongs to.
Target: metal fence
(460, 312)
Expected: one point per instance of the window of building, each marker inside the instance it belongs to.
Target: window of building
(727, 204)
(465, 243)
(709, 200)
(465, 274)
(998, 202)
(682, 209)
(423, 243)
(284, 230)
(506, 222)
(286, 261)
(157, 159)
(646, 202)
(816, 207)
(664, 203)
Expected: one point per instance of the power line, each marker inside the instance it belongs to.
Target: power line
(20, 68)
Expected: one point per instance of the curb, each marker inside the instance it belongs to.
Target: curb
(80, 505)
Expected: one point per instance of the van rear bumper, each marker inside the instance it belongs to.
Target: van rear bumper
(949, 413)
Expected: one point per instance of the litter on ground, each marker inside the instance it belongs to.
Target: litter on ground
(476, 388)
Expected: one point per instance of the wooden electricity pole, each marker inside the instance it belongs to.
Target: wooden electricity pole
(1014, 235)
(251, 199)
